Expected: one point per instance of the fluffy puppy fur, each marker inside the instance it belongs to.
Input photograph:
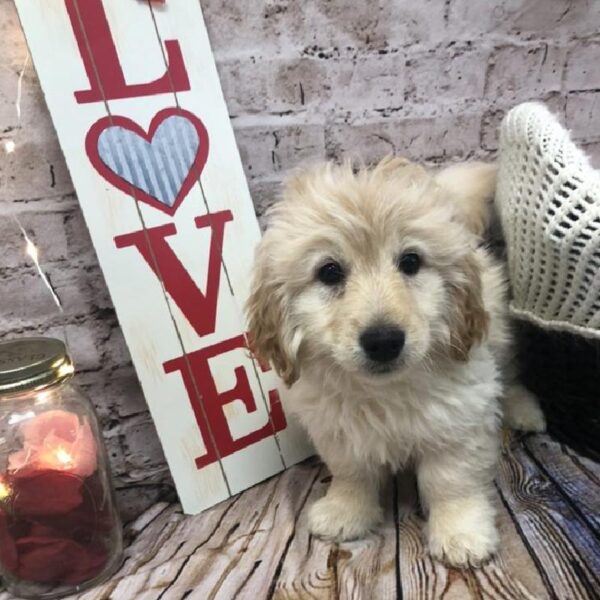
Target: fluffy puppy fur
(435, 406)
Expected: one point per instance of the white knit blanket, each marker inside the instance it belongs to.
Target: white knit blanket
(548, 199)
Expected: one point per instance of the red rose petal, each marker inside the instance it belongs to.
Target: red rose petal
(59, 560)
(90, 564)
(45, 560)
(39, 530)
(93, 517)
(8, 550)
(40, 493)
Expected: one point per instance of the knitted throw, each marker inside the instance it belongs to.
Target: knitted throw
(548, 199)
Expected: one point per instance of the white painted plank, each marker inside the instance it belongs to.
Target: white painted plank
(262, 459)
(156, 329)
(224, 181)
(135, 291)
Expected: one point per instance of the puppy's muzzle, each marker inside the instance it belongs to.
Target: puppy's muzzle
(383, 343)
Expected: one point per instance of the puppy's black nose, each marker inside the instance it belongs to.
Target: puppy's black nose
(382, 344)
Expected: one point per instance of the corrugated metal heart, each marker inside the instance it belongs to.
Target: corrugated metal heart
(158, 167)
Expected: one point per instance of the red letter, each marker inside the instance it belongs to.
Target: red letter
(101, 60)
(211, 410)
(199, 310)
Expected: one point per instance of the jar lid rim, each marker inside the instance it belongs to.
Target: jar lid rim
(32, 363)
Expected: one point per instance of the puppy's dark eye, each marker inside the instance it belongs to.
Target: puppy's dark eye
(331, 273)
(409, 263)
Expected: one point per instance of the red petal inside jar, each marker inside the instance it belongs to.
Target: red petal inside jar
(45, 560)
(41, 493)
(8, 550)
(58, 560)
(92, 561)
(92, 518)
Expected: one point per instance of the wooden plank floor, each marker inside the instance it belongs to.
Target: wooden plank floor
(256, 545)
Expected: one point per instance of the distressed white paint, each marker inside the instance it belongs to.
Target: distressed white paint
(155, 329)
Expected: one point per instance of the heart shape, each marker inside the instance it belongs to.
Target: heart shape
(158, 167)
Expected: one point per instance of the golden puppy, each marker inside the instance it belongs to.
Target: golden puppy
(372, 297)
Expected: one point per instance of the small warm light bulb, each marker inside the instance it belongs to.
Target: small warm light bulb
(43, 396)
(31, 250)
(9, 146)
(63, 457)
(66, 369)
(4, 491)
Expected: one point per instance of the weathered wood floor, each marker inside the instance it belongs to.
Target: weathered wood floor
(256, 545)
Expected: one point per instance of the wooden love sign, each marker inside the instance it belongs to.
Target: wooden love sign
(135, 98)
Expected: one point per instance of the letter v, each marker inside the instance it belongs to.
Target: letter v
(199, 309)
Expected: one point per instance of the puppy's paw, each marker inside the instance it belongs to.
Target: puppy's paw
(461, 548)
(343, 518)
(522, 410)
(526, 417)
(464, 533)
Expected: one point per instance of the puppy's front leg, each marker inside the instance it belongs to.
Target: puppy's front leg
(456, 489)
(351, 506)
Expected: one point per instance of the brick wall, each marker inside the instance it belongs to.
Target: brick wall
(303, 81)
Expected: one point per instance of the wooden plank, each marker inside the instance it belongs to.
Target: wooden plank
(577, 478)
(419, 575)
(256, 545)
(244, 552)
(510, 575)
(309, 567)
(423, 577)
(397, 556)
(234, 545)
(588, 467)
(158, 543)
(565, 551)
(262, 458)
(367, 568)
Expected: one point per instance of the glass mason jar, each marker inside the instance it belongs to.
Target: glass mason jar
(59, 530)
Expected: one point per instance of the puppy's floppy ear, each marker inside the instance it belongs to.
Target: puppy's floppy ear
(472, 186)
(268, 334)
(468, 318)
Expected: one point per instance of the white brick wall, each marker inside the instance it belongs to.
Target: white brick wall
(303, 81)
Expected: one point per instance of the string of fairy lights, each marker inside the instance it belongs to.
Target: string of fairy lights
(10, 146)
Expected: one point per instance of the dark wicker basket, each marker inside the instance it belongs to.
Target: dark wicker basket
(564, 371)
